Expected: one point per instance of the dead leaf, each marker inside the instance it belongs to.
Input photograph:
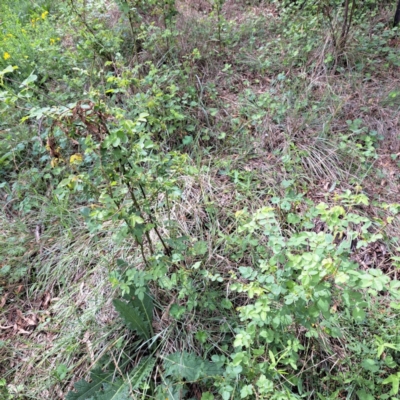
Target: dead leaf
(23, 331)
(46, 300)
(3, 300)
(31, 321)
(19, 289)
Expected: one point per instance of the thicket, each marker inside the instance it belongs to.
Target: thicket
(199, 200)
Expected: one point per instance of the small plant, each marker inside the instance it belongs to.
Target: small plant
(179, 368)
(296, 287)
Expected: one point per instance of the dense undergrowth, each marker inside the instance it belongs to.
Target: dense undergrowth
(199, 200)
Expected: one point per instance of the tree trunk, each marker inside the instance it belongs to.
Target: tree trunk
(397, 15)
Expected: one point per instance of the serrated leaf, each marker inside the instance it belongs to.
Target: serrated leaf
(145, 306)
(182, 365)
(141, 371)
(171, 390)
(133, 318)
(102, 386)
(83, 390)
(370, 365)
(87, 390)
(118, 390)
(189, 366)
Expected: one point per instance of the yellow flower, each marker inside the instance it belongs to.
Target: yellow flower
(44, 14)
(52, 41)
(6, 55)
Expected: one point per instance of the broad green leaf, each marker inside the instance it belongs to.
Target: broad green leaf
(394, 379)
(363, 395)
(200, 248)
(85, 390)
(390, 362)
(187, 140)
(182, 365)
(118, 390)
(370, 365)
(358, 314)
(189, 366)
(246, 391)
(133, 318)
(264, 385)
(323, 305)
(7, 70)
(102, 386)
(31, 78)
(145, 305)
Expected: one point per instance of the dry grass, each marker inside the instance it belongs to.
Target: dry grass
(61, 314)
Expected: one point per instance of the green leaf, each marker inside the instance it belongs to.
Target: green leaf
(85, 390)
(61, 371)
(323, 305)
(145, 305)
(176, 311)
(389, 361)
(187, 140)
(133, 318)
(7, 70)
(200, 248)
(246, 391)
(201, 336)
(293, 218)
(31, 78)
(363, 395)
(227, 304)
(272, 357)
(182, 365)
(171, 390)
(264, 385)
(247, 272)
(394, 379)
(189, 366)
(118, 390)
(141, 371)
(370, 365)
(358, 314)
(102, 386)
(226, 394)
